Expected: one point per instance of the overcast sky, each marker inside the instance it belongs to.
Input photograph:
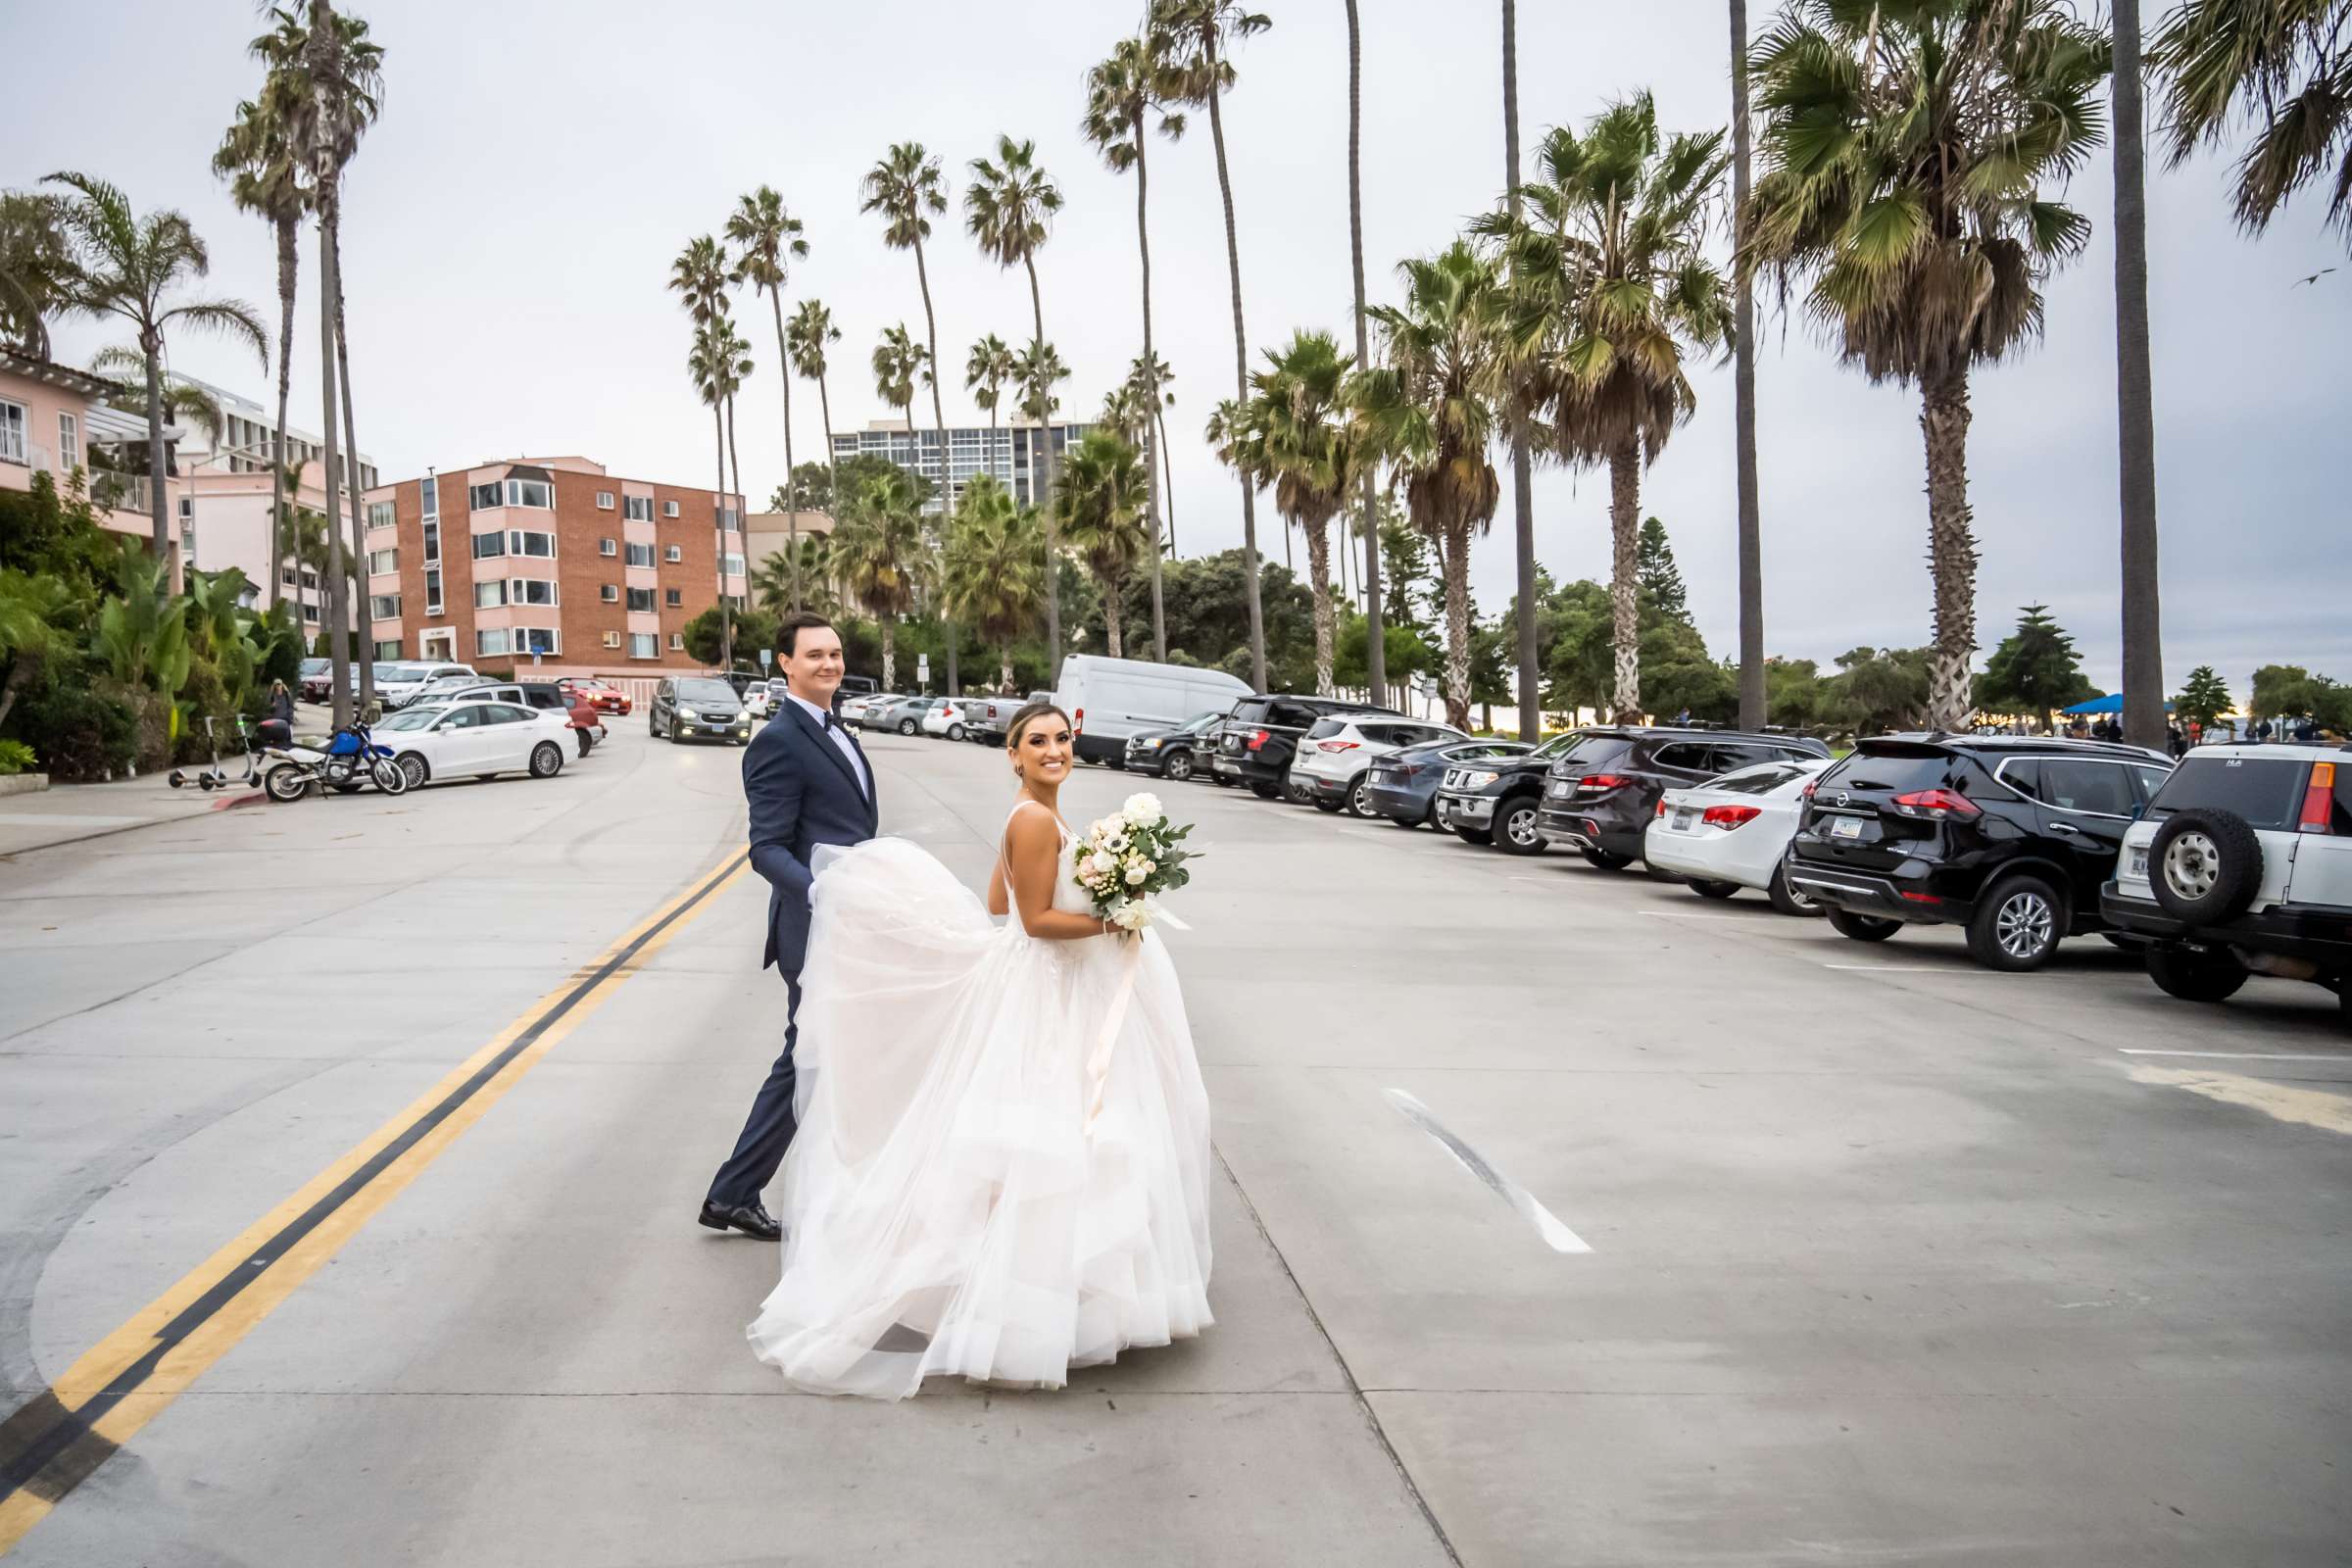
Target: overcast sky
(511, 222)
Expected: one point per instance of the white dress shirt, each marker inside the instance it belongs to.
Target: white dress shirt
(840, 737)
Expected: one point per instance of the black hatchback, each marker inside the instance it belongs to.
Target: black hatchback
(1601, 794)
(2010, 837)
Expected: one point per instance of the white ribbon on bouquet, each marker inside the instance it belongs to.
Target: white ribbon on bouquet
(1098, 1065)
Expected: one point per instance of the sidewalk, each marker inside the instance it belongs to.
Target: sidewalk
(64, 814)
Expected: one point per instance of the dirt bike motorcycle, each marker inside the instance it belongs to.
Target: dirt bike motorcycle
(349, 758)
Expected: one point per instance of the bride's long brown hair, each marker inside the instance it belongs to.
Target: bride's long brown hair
(1027, 716)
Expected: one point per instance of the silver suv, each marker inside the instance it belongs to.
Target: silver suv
(2243, 866)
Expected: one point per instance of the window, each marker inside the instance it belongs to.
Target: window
(678, 641)
(388, 650)
(383, 563)
(611, 639)
(285, 574)
(68, 442)
(384, 607)
(1759, 780)
(12, 432)
(608, 547)
(729, 518)
(432, 539)
(2098, 789)
(310, 612)
(732, 565)
(538, 640)
(641, 599)
(674, 597)
(489, 593)
(604, 500)
(644, 645)
(1684, 757)
(669, 509)
(482, 497)
(532, 591)
(609, 593)
(432, 590)
(637, 509)
(521, 543)
(672, 553)
(492, 640)
(530, 493)
(640, 555)
(2268, 792)
(431, 488)
(382, 515)
(486, 545)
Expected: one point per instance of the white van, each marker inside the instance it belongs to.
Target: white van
(1111, 699)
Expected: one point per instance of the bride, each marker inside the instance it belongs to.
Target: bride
(950, 1205)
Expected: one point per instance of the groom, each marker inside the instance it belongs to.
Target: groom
(806, 784)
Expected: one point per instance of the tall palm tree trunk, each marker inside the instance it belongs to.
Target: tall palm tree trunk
(1115, 616)
(792, 510)
(1376, 659)
(1743, 403)
(1043, 460)
(1523, 484)
(337, 604)
(1240, 386)
(1167, 465)
(825, 406)
(735, 461)
(364, 610)
(890, 650)
(1005, 671)
(289, 261)
(946, 478)
(1143, 245)
(151, 348)
(1625, 577)
(1454, 553)
(719, 519)
(1318, 566)
(2136, 414)
(1943, 420)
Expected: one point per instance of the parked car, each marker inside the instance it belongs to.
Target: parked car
(759, 698)
(2243, 865)
(986, 719)
(698, 707)
(854, 711)
(946, 719)
(904, 715)
(608, 699)
(852, 688)
(1336, 755)
(1404, 785)
(1600, 795)
(2011, 838)
(1483, 797)
(1175, 753)
(437, 740)
(1733, 832)
(1259, 739)
(314, 680)
(397, 685)
(1110, 701)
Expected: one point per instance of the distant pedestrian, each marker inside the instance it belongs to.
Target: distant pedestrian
(2175, 741)
(277, 727)
(2306, 731)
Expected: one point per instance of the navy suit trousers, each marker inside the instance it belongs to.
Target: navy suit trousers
(767, 1131)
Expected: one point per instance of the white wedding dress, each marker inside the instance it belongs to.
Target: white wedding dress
(946, 1208)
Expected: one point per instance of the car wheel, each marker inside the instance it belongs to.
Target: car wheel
(1177, 765)
(1265, 792)
(1359, 796)
(1706, 888)
(285, 782)
(414, 769)
(1220, 781)
(1787, 898)
(1404, 823)
(546, 759)
(1518, 826)
(1862, 927)
(2017, 925)
(1329, 807)
(955, 732)
(2204, 866)
(1604, 861)
(1475, 835)
(1295, 790)
(2195, 976)
(907, 726)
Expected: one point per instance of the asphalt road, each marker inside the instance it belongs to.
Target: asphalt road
(349, 1153)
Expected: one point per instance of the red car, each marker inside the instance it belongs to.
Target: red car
(606, 698)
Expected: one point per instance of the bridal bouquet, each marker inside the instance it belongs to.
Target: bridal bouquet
(1127, 859)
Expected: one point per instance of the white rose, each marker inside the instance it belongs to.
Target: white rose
(1131, 917)
(1135, 876)
(1141, 808)
(1101, 865)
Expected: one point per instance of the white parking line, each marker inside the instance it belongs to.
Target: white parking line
(1693, 914)
(1929, 968)
(2238, 1055)
(1556, 1236)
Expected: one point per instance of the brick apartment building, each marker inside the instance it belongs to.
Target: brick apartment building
(545, 564)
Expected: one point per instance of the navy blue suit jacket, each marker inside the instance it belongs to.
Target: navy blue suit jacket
(801, 792)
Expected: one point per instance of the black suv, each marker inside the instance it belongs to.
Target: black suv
(2011, 838)
(1173, 752)
(1497, 800)
(1600, 796)
(1259, 738)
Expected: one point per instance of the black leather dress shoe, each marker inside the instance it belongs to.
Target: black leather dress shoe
(749, 1218)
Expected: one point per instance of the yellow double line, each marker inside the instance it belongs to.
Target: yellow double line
(56, 1440)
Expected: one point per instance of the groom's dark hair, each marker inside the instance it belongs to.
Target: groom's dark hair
(787, 634)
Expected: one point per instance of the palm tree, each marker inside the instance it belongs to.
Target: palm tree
(34, 262)
(1008, 209)
(1038, 370)
(1523, 491)
(1151, 375)
(900, 362)
(811, 332)
(699, 277)
(1608, 283)
(1429, 411)
(1101, 502)
(995, 573)
(1194, 39)
(1903, 186)
(794, 578)
(737, 349)
(1304, 439)
(1744, 402)
(2285, 69)
(1375, 639)
(185, 402)
(767, 241)
(128, 267)
(2136, 395)
(986, 370)
(880, 555)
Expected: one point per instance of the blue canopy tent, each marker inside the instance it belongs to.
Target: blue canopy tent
(2102, 705)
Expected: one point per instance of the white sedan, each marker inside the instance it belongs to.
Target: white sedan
(1733, 832)
(477, 740)
(948, 719)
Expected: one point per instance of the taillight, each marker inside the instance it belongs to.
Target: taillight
(1336, 746)
(1603, 781)
(1811, 785)
(1729, 816)
(1257, 738)
(2316, 799)
(1661, 810)
(1938, 804)
(1078, 722)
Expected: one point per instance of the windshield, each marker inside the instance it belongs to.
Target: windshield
(704, 691)
(1759, 780)
(2267, 791)
(314, 667)
(414, 719)
(1575, 748)
(1894, 771)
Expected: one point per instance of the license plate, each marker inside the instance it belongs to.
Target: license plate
(1560, 789)
(2139, 865)
(1846, 827)
(1681, 822)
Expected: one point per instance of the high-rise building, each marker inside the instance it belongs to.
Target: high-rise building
(547, 565)
(1014, 452)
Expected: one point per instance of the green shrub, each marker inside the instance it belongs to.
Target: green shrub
(14, 758)
(80, 731)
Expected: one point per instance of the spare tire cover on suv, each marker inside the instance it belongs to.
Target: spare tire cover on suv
(2205, 865)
